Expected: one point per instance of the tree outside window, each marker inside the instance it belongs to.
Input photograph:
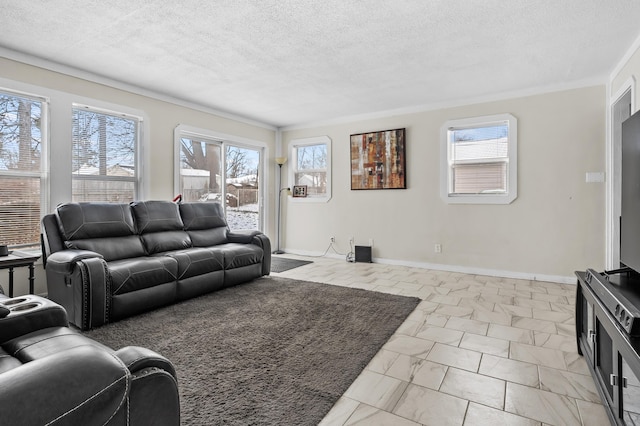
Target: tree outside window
(21, 147)
(311, 166)
(104, 156)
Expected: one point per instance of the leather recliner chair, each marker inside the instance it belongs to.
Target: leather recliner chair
(51, 374)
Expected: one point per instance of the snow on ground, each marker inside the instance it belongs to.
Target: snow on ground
(243, 217)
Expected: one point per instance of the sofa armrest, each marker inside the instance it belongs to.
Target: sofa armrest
(80, 281)
(265, 243)
(137, 358)
(254, 237)
(64, 261)
(242, 236)
(154, 387)
(83, 385)
(28, 314)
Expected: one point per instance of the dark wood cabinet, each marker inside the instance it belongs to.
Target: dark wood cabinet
(611, 353)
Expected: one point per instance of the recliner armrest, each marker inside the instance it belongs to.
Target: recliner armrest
(64, 261)
(242, 236)
(28, 314)
(137, 358)
(83, 385)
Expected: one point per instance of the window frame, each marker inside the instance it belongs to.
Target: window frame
(43, 173)
(294, 144)
(224, 140)
(137, 177)
(446, 164)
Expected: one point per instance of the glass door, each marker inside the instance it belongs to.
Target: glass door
(200, 170)
(216, 169)
(242, 186)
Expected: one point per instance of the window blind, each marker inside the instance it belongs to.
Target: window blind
(21, 144)
(104, 156)
(479, 159)
(482, 178)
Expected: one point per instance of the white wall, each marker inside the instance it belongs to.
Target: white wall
(629, 68)
(161, 119)
(555, 226)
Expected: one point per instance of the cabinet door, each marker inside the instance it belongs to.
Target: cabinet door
(630, 395)
(605, 359)
(589, 320)
(585, 323)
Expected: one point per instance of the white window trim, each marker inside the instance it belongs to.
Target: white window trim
(512, 178)
(58, 156)
(318, 140)
(29, 92)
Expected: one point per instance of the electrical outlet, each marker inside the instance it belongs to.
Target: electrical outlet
(332, 239)
(437, 248)
(370, 242)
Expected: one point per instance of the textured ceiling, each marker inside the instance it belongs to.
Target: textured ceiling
(290, 62)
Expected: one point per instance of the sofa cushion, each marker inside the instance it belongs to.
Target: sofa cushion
(159, 242)
(104, 228)
(160, 226)
(79, 221)
(205, 223)
(208, 237)
(129, 275)
(45, 342)
(8, 362)
(110, 248)
(238, 255)
(197, 261)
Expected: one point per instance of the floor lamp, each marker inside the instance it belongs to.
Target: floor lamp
(280, 161)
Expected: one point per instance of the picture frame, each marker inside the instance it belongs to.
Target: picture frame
(378, 160)
(299, 191)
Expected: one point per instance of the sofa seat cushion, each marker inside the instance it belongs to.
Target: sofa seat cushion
(239, 255)
(142, 272)
(197, 261)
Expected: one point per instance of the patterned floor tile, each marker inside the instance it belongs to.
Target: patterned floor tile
(474, 344)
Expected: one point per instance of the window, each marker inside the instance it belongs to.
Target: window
(311, 167)
(104, 156)
(213, 167)
(478, 160)
(22, 168)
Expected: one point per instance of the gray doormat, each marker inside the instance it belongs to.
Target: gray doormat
(281, 264)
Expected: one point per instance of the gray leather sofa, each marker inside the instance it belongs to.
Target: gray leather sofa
(106, 262)
(53, 375)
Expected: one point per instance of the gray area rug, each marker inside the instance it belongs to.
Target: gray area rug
(281, 264)
(274, 351)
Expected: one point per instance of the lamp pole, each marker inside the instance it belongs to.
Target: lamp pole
(280, 161)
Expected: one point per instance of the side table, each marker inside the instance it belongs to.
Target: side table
(17, 259)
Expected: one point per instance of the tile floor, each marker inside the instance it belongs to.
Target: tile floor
(477, 350)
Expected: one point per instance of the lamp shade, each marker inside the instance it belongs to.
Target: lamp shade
(281, 160)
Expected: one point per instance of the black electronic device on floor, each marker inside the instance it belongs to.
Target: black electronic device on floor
(363, 254)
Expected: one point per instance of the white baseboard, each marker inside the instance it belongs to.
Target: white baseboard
(453, 268)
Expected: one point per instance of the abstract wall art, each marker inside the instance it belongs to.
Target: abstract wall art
(378, 160)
